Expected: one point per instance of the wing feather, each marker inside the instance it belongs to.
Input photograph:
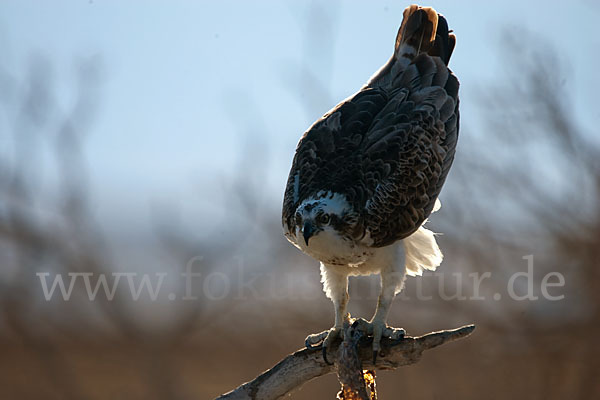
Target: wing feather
(388, 148)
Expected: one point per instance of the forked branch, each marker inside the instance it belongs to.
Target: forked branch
(304, 365)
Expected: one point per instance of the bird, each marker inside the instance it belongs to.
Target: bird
(366, 176)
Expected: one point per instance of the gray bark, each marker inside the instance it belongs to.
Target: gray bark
(305, 364)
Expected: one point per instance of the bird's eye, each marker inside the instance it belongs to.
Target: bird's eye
(324, 219)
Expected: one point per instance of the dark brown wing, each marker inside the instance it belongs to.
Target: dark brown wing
(329, 156)
(415, 135)
(389, 148)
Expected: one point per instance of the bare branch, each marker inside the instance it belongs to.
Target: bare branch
(304, 365)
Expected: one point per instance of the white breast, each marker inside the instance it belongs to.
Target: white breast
(329, 247)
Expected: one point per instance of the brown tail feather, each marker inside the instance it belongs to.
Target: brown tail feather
(423, 30)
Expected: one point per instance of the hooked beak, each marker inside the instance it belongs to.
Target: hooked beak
(307, 231)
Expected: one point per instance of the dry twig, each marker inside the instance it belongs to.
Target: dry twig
(304, 365)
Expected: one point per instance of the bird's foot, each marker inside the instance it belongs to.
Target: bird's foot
(326, 338)
(378, 329)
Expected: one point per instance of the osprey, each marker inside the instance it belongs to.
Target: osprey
(367, 175)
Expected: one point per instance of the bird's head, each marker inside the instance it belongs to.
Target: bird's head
(326, 214)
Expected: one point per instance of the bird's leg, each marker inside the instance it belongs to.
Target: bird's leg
(336, 288)
(377, 326)
(378, 322)
(390, 282)
(334, 333)
(329, 335)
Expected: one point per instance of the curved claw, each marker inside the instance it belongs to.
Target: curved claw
(398, 336)
(325, 356)
(310, 346)
(331, 337)
(312, 342)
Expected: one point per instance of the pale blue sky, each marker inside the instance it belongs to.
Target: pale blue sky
(184, 82)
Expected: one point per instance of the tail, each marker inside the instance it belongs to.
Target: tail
(423, 30)
(421, 251)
